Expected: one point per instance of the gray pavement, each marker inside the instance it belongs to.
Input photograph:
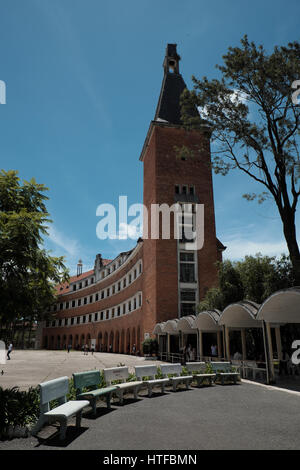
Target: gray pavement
(245, 416)
(29, 368)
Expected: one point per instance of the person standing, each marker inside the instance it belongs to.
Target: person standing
(9, 351)
(69, 347)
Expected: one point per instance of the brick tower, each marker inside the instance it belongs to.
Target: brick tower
(176, 278)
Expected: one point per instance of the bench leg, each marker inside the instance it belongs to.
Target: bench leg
(174, 386)
(222, 379)
(135, 393)
(200, 381)
(63, 429)
(162, 388)
(120, 395)
(78, 419)
(93, 403)
(149, 390)
(108, 398)
(235, 379)
(187, 383)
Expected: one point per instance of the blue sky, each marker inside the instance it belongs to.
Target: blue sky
(83, 79)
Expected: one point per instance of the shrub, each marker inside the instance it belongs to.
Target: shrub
(18, 408)
(150, 346)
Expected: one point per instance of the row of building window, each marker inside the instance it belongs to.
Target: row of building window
(105, 272)
(104, 293)
(110, 269)
(114, 312)
(184, 189)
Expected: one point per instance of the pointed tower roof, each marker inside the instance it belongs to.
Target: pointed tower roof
(168, 107)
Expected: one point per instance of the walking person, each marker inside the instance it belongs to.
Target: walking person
(9, 351)
(69, 347)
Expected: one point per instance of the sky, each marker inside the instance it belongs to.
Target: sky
(82, 83)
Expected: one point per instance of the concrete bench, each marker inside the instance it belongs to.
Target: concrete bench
(121, 374)
(91, 378)
(223, 370)
(175, 370)
(198, 371)
(251, 367)
(57, 389)
(150, 371)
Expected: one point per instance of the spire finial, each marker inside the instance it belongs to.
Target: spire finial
(79, 267)
(171, 62)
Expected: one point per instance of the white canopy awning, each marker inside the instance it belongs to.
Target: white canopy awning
(281, 307)
(170, 327)
(187, 324)
(208, 321)
(158, 329)
(240, 315)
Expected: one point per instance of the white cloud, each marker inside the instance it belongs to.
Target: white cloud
(238, 248)
(129, 231)
(64, 242)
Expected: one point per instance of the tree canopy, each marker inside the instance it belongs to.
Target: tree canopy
(254, 278)
(254, 124)
(28, 273)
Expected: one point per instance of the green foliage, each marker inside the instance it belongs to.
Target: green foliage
(254, 278)
(208, 368)
(159, 374)
(184, 371)
(254, 124)
(150, 346)
(18, 408)
(28, 273)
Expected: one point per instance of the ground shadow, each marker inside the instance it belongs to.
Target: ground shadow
(53, 440)
(101, 411)
(127, 401)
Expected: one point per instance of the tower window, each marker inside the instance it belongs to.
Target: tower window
(184, 189)
(192, 190)
(177, 189)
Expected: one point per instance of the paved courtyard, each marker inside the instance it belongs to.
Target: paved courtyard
(29, 368)
(245, 416)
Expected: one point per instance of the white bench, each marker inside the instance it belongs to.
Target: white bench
(223, 370)
(175, 370)
(121, 373)
(251, 366)
(57, 389)
(150, 371)
(198, 371)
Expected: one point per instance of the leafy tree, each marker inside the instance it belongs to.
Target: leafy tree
(254, 278)
(230, 288)
(255, 125)
(28, 273)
